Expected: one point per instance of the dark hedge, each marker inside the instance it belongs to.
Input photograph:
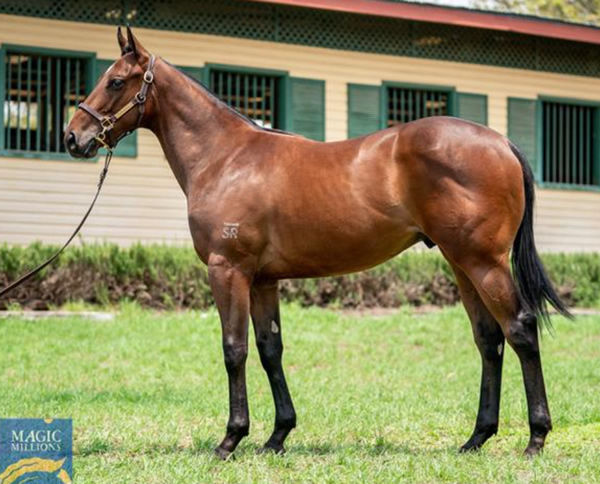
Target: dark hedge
(166, 277)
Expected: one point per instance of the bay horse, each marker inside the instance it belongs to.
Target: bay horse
(265, 205)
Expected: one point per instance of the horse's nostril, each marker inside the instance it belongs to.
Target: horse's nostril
(71, 141)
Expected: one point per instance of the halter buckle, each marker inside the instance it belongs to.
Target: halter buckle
(140, 98)
(107, 124)
(148, 77)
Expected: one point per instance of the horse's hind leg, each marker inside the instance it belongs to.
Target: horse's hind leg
(490, 342)
(494, 283)
(264, 308)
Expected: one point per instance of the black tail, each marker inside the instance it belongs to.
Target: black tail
(535, 288)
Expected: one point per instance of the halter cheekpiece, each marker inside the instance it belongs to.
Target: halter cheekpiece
(108, 122)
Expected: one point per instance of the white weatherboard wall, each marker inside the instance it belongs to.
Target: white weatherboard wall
(43, 200)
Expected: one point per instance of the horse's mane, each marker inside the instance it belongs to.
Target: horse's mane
(227, 106)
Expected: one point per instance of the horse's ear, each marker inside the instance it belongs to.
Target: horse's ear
(138, 50)
(122, 41)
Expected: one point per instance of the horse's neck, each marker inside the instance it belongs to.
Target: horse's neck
(195, 130)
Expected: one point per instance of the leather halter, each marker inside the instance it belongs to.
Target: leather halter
(108, 121)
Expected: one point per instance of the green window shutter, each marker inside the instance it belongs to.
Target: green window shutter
(472, 107)
(306, 114)
(196, 73)
(128, 145)
(522, 128)
(364, 109)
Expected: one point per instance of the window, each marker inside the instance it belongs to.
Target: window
(41, 93)
(373, 107)
(254, 95)
(406, 104)
(569, 143)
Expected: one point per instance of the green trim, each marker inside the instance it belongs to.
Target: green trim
(245, 70)
(362, 121)
(569, 100)
(88, 57)
(31, 49)
(538, 163)
(413, 85)
(568, 186)
(596, 144)
(2, 95)
(42, 155)
(473, 95)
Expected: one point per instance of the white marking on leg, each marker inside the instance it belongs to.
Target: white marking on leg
(274, 327)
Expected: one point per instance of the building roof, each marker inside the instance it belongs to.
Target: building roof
(506, 22)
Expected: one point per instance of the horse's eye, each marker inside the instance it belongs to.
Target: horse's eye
(116, 84)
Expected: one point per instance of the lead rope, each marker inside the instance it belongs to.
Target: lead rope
(32, 273)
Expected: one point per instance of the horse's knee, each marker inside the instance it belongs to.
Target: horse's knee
(235, 355)
(522, 334)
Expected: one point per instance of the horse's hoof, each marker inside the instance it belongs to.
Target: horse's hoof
(270, 449)
(223, 454)
(532, 451)
(469, 448)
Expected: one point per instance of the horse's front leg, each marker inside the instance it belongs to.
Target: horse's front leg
(231, 291)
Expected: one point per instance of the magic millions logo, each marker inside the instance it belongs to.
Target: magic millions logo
(36, 451)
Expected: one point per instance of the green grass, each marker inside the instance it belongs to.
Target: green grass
(379, 399)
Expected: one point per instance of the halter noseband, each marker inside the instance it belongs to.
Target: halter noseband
(108, 122)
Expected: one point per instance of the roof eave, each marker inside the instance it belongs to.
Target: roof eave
(454, 16)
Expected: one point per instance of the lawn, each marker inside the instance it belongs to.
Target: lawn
(379, 398)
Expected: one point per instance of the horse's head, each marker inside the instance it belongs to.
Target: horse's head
(107, 115)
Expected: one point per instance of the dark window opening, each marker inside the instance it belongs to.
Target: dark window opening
(408, 104)
(254, 95)
(568, 143)
(41, 96)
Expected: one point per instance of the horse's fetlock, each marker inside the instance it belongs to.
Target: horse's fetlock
(286, 422)
(239, 427)
(540, 423)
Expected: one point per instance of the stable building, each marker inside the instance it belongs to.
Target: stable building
(326, 69)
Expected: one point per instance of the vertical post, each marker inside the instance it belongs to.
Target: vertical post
(28, 132)
(254, 95)
(8, 138)
(48, 114)
(19, 75)
(272, 101)
(229, 93)
(573, 140)
(57, 103)
(238, 91)
(246, 92)
(4, 96)
(263, 89)
(68, 90)
(402, 107)
(567, 137)
(38, 97)
(394, 105)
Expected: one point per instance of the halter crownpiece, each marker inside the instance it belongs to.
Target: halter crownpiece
(107, 123)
